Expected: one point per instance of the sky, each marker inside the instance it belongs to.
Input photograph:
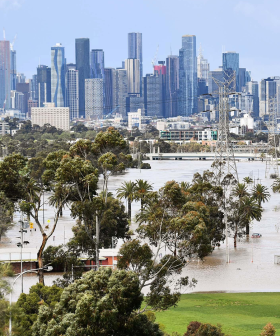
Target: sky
(249, 27)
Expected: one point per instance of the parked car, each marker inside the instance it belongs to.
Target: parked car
(256, 235)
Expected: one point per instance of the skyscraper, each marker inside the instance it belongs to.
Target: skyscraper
(44, 85)
(34, 88)
(13, 69)
(160, 70)
(5, 74)
(253, 89)
(83, 66)
(152, 89)
(72, 91)
(97, 63)
(230, 67)
(132, 67)
(24, 88)
(217, 74)
(135, 51)
(172, 85)
(58, 70)
(188, 76)
(121, 90)
(109, 90)
(203, 67)
(267, 90)
(94, 98)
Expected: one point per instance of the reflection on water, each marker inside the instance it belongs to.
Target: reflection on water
(251, 266)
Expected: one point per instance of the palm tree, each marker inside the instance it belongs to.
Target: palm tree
(248, 180)
(276, 185)
(240, 190)
(260, 193)
(250, 209)
(127, 191)
(141, 189)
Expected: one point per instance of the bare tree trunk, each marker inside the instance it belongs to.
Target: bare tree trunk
(129, 209)
(247, 229)
(235, 237)
(40, 259)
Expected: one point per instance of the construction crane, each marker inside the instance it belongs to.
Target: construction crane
(107, 115)
(12, 43)
(154, 60)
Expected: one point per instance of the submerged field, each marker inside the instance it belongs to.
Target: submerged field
(239, 314)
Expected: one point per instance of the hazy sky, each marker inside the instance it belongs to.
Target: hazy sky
(250, 27)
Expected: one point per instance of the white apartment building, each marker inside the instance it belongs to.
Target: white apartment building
(49, 114)
(134, 119)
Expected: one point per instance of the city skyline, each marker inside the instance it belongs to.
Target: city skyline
(166, 32)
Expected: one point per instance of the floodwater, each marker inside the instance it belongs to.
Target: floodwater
(251, 266)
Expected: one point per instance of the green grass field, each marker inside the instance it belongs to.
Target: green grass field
(239, 314)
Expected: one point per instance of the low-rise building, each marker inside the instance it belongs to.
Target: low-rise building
(189, 134)
(49, 114)
(135, 119)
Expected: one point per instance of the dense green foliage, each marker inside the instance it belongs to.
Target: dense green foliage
(27, 307)
(100, 303)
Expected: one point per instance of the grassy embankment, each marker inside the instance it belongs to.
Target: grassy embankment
(239, 314)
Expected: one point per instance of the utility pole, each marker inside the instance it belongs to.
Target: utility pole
(225, 164)
(271, 160)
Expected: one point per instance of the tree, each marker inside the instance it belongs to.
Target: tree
(127, 191)
(268, 330)
(276, 186)
(6, 214)
(103, 302)
(260, 193)
(141, 189)
(5, 271)
(203, 329)
(27, 306)
(248, 180)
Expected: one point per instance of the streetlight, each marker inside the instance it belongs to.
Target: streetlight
(46, 268)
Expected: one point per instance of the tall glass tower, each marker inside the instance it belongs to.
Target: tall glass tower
(187, 76)
(83, 66)
(135, 51)
(230, 66)
(97, 63)
(58, 71)
(5, 74)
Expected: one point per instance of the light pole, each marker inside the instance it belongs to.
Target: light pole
(46, 268)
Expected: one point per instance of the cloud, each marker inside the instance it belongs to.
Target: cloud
(259, 12)
(10, 4)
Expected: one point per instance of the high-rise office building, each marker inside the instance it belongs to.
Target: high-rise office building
(109, 90)
(253, 89)
(188, 76)
(267, 91)
(160, 70)
(24, 88)
(13, 69)
(230, 67)
(44, 84)
(172, 85)
(135, 51)
(97, 63)
(152, 89)
(5, 74)
(244, 78)
(83, 66)
(134, 102)
(94, 98)
(121, 91)
(203, 67)
(132, 67)
(34, 88)
(217, 74)
(17, 100)
(72, 90)
(58, 70)
(20, 78)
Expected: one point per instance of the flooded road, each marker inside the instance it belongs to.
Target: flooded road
(251, 266)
